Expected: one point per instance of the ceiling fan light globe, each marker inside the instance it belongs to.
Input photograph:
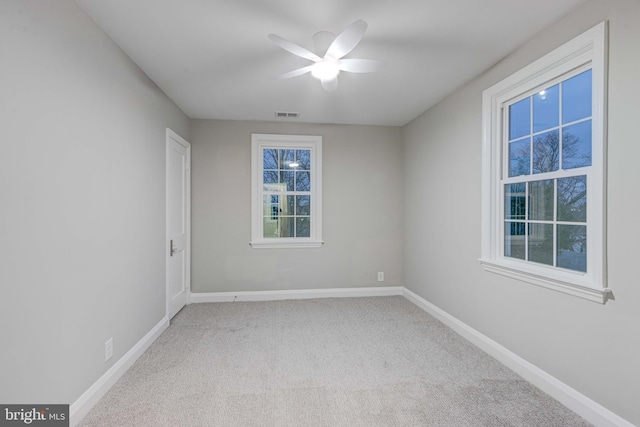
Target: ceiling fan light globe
(325, 70)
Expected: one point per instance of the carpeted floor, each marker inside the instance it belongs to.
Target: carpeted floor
(377, 361)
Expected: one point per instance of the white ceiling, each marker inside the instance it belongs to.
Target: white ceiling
(214, 60)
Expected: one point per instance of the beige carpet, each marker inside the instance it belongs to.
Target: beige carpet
(378, 361)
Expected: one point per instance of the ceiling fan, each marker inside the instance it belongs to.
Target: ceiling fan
(328, 67)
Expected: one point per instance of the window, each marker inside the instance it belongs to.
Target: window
(286, 191)
(543, 200)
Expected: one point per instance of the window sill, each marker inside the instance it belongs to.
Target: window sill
(306, 244)
(596, 295)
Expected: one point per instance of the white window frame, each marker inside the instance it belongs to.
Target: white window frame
(261, 141)
(587, 50)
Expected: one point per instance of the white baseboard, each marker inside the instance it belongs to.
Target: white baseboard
(571, 398)
(89, 398)
(295, 294)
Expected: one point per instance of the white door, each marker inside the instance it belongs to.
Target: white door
(178, 222)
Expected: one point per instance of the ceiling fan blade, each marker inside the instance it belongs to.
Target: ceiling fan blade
(294, 48)
(330, 84)
(347, 40)
(360, 65)
(295, 73)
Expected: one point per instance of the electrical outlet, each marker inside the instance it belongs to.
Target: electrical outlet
(108, 349)
(380, 276)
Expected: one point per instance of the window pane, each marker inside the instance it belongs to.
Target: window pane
(287, 224)
(572, 247)
(576, 145)
(270, 207)
(303, 227)
(270, 180)
(302, 205)
(572, 199)
(281, 227)
(271, 214)
(287, 179)
(519, 152)
(576, 97)
(515, 201)
(287, 208)
(541, 200)
(303, 157)
(514, 239)
(519, 119)
(546, 152)
(546, 109)
(270, 158)
(303, 181)
(270, 227)
(286, 157)
(541, 243)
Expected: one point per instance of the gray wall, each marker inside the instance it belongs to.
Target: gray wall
(82, 217)
(591, 347)
(362, 210)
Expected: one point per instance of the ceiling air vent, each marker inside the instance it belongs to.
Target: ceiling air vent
(286, 115)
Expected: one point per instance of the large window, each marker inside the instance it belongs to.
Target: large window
(543, 170)
(286, 191)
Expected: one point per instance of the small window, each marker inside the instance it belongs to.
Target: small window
(543, 171)
(286, 191)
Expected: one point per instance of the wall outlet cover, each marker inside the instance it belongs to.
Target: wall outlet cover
(108, 349)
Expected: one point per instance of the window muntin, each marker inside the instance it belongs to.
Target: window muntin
(549, 134)
(543, 179)
(286, 191)
(545, 222)
(551, 127)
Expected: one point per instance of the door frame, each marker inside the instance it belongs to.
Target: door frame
(173, 136)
